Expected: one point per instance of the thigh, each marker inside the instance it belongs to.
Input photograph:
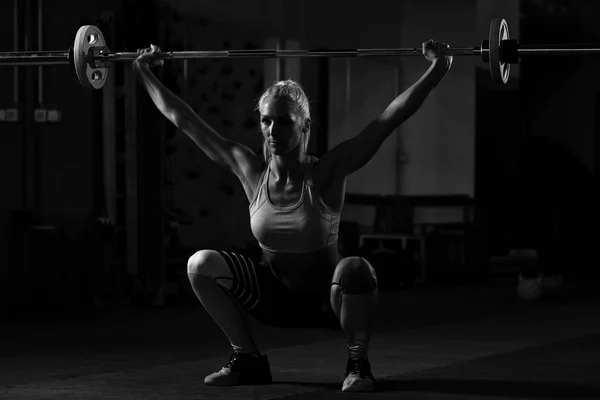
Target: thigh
(248, 282)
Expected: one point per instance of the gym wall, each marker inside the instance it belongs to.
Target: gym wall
(48, 167)
(48, 170)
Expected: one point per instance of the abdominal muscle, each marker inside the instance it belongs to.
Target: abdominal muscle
(304, 272)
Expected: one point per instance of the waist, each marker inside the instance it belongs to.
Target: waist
(295, 249)
(310, 271)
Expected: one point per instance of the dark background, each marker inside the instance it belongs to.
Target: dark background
(63, 247)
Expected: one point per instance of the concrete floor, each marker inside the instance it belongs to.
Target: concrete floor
(429, 343)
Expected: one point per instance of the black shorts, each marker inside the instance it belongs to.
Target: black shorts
(264, 297)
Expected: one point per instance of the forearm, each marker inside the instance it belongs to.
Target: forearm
(413, 98)
(168, 103)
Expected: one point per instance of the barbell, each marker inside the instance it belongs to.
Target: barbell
(91, 58)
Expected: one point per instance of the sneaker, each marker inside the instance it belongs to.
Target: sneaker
(242, 369)
(358, 377)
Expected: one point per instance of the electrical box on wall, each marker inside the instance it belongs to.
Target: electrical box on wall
(54, 115)
(40, 115)
(12, 115)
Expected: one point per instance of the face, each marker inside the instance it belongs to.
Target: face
(281, 126)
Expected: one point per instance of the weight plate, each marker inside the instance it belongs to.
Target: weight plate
(88, 37)
(499, 69)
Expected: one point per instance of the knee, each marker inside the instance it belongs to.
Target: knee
(355, 275)
(204, 262)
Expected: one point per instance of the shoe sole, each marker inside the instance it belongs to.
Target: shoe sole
(240, 382)
(360, 387)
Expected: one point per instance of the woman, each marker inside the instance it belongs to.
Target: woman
(296, 201)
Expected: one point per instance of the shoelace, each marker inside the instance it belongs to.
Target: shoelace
(359, 367)
(235, 357)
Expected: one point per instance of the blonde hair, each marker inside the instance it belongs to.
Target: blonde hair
(294, 93)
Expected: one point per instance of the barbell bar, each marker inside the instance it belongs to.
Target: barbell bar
(53, 57)
(56, 57)
(91, 57)
(22, 58)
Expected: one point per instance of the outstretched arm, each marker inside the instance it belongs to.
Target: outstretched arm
(354, 153)
(232, 155)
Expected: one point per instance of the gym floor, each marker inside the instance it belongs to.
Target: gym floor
(473, 342)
